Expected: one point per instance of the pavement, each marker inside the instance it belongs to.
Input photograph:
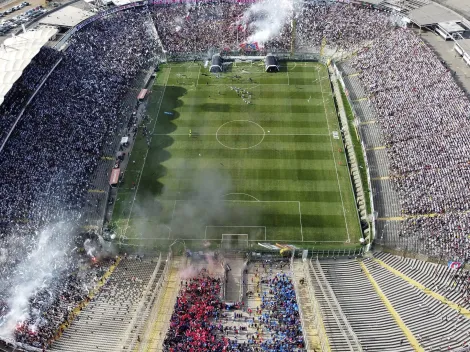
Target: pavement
(234, 278)
(460, 6)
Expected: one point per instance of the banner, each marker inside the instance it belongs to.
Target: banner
(454, 265)
(250, 46)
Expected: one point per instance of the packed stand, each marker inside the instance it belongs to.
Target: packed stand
(193, 325)
(423, 115)
(197, 28)
(24, 87)
(50, 308)
(339, 25)
(271, 319)
(445, 235)
(67, 284)
(226, 25)
(47, 162)
(73, 118)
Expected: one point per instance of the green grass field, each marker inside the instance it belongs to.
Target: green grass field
(270, 169)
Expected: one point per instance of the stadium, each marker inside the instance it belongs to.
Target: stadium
(231, 175)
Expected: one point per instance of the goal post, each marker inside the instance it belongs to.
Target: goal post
(232, 241)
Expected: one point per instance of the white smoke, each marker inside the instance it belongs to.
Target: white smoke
(267, 18)
(38, 267)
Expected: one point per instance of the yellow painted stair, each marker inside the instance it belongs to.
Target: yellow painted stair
(156, 333)
(406, 331)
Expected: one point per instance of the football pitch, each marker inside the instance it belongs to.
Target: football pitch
(243, 152)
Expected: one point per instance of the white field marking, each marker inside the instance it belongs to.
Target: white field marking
(146, 153)
(171, 220)
(334, 160)
(288, 79)
(236, 226)
(254, 201)
(234, 134)
(248, 86)
(241, 134)
(246, 194)
(248, 134)
(241, 201)
(218, 239)
(295, 65)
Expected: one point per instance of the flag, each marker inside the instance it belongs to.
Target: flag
(250, 46)
(454, 265)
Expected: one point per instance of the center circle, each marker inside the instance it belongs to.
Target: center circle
(240, 134)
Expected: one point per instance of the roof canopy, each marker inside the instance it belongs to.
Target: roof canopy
(68, 16)
(17, 52)
(432, 14)
(451, 27)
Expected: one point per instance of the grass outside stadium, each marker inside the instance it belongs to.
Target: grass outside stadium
(265, 164)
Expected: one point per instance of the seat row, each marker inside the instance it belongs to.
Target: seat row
(105, 323)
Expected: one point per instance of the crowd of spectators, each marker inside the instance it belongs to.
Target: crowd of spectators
(47, 162)
(24, 87)
(50, 308)
(423, 115)
(221, 25)
(267, 320)
(193, 324)
(73, 118)
(280, 313)
(338, 25)
(57, 144)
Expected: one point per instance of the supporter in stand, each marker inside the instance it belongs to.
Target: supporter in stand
(47, 162)
(24, 87)
(423, 117)
(192, 325)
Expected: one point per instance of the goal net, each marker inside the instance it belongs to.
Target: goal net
(234, 241)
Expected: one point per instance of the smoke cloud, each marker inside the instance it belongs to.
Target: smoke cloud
(185, 209)
(266, 19)
(41, 264)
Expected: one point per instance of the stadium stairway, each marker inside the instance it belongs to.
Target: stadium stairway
(307, 309)
(106, 323)
(435, 323)
(364, 308)
(340, 334)
(159, 319)
(369, 323)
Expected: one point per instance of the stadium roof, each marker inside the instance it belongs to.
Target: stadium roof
(17, 52)
(460, 6)
(451, 27)
(374, 2)
(432, 14)
(121, 2)
(68, 16)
